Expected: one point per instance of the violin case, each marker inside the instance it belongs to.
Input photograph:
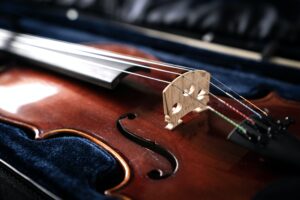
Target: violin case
(75, 168)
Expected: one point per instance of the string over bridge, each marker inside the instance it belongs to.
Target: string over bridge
(188, 92)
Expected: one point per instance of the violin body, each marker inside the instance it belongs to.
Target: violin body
(193, 161)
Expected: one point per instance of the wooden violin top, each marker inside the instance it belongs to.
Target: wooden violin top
(193, 161)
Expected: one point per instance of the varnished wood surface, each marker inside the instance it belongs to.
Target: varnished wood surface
(210, 167)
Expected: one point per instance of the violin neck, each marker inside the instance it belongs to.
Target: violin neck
(62, 57)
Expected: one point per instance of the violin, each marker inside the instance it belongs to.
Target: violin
(171, 136)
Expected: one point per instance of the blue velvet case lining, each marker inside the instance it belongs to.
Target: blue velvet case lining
(67, 166)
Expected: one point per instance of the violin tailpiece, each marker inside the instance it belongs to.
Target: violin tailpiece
(187, 93)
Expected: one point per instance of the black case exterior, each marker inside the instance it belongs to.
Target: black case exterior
(15, 185)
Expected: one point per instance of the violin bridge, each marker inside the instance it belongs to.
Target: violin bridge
(187, 93)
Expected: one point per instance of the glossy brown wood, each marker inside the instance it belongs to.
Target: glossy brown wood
(210, 167)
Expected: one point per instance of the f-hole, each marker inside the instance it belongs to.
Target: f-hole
(155, 174)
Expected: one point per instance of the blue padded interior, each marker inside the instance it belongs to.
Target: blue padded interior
(67, 166)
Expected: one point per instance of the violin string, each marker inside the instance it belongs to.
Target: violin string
(174, 66)
(169, 65)
(100, 57)
(144, 66)
(143, 60)
(219, 114)
(66, 45)
(249, 102)
(223, 91)
(227, 105)
(235, 99)
(243, 130)
(233, 108)
(222, 116)
(49, 43)
(104, 66)
(153, 68)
